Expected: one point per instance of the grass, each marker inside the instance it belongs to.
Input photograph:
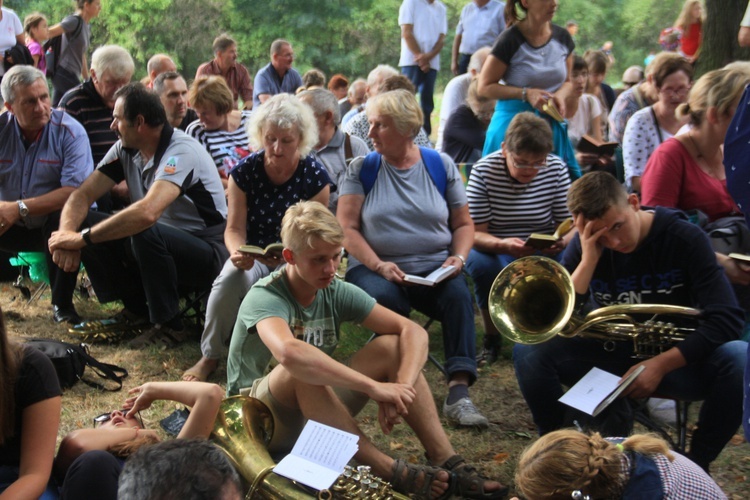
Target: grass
(496, 393)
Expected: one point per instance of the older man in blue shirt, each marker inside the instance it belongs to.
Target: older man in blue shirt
(44, 156)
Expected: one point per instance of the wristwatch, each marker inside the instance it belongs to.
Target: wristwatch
(86, 235)
(22, 208)
(461, 258)
(524, 94)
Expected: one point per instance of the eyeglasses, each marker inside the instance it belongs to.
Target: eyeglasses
(681, 92)
(522, 166)
(106, 417)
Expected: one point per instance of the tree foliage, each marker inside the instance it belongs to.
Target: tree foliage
(353, 36)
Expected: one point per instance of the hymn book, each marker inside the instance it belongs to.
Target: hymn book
(273, 250)
(596, 390)
(431, 279)
(319, 455)
(543, 241)
(588, 144)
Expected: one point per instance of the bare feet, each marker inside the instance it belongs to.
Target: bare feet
(201, 370)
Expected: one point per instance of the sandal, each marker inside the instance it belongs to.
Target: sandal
(160, 336)
(468, 482)
(406, 475)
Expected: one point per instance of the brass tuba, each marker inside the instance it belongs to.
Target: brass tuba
(532, 300)
(243, 429)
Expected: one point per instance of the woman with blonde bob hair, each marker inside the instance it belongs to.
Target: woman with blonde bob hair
(568, 464)
(260, 188)
(404, 211)
(219, 127)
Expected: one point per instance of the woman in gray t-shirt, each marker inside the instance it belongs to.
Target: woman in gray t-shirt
(76, 31)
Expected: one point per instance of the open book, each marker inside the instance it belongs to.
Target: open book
(319, 455)
(542, 241)
(588, 144)
(272, 250)
(596, 390)
(431, 279)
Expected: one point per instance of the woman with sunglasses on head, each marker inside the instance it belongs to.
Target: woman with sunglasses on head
(651, 126)
(29, 418)
(92, 459)
(518, 190)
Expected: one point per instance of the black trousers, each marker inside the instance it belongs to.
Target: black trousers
(148, 270)
(20, 239)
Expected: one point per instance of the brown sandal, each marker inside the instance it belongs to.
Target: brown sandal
(406, 475)
(468, 482)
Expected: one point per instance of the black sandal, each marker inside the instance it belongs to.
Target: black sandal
(468, 482)
(405, 476)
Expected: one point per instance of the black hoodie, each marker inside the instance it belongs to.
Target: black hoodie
(674, 265)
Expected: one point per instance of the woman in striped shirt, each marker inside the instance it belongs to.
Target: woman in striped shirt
(518, 190)
(219, 127)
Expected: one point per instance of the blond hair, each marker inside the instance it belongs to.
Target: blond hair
(564, 461)
(211, 90)
(402, 107)
(716, 89)
(32, 21)
(683, 21)
(306, 221)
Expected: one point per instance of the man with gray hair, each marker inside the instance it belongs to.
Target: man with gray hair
(158, 64)
(457, 90)
(374, 79)
(335, 149)
(278, 76)
(44, 156)
(92, 101)
(225, 65)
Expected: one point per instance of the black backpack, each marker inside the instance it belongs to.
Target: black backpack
(53, 48)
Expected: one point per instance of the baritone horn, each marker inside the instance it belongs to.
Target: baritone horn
(532, 300)
(243, 429)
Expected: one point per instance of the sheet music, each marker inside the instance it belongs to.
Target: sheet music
(319, 455)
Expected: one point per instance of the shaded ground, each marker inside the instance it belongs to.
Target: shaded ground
(496, 393)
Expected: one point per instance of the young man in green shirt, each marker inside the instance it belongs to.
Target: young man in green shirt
(293, 317)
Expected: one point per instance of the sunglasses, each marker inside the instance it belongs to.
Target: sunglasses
(106, 417)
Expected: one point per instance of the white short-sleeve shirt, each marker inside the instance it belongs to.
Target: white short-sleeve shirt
(429, 21)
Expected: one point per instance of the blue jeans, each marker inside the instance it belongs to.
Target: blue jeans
(543, 369)
(484, 268)
(425, 85)
(448, 302)
(746, 415)
(463, 63)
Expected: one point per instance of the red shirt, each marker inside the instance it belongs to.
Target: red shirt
(674, 179)
(691, 39)
(238, 79)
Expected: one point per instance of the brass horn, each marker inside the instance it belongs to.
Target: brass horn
(243, 429)
(532, 300)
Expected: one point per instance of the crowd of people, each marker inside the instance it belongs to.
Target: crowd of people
(177, 185)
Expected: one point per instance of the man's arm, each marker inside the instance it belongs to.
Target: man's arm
(591, 251)
(39, 205)
(313, 366)
(138, 217)
(407, 33)
(454, 53)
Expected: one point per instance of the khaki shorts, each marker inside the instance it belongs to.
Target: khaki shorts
(289, 422)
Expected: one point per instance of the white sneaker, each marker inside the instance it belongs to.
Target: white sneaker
(662, 411)
(464, 414)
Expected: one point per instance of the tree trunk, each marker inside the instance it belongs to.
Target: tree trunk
(720, 45)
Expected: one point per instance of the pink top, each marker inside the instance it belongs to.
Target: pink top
(673, 179)
(36, 50)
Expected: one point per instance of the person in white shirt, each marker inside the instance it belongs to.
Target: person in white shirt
(480, 23)
(423, 27)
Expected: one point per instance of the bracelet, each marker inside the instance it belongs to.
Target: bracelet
(461, 258)
(524, 92)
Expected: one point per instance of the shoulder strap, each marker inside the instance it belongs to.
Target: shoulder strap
(79, 27)
(656, 124)
(104, 370)
(369, 171)
(431, 159)
(348, 154)
(435, 168)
